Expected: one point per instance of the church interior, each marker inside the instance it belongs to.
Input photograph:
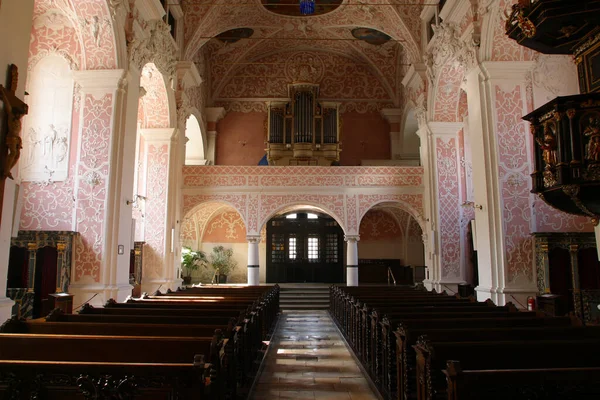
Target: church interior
(414, 183)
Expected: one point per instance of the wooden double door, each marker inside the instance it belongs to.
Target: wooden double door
(304, 247)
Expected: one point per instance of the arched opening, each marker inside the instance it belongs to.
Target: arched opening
(194, 148)
(151, 183)
(391, 240)
(304, 245)
(212, 225)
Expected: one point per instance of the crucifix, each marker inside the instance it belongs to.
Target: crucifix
(15, 109)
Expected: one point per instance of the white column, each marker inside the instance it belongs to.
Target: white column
(213, 115)
(352, 260)
(253, 263)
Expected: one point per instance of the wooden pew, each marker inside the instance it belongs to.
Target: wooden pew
(535, 383)
(89, 380)
(85, 354)
(491, 355)
(403, 375)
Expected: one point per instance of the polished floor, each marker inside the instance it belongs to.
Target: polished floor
(308, 359)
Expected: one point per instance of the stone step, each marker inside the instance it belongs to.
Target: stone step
(304, 306)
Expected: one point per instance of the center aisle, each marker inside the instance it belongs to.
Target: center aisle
(308, 359)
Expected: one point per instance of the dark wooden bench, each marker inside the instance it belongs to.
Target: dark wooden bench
(432, 357)
(538, 383)
(85, 351)
(401, 373)
(69, 380)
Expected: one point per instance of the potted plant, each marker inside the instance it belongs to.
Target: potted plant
(223, 262)
(190, 261)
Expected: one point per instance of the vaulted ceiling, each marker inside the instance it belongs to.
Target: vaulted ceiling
(317, 48)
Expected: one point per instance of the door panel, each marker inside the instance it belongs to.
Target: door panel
(304, 249)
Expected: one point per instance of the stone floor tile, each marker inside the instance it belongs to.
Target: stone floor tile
(309, 360)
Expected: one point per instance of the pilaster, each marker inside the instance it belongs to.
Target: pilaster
(158, 263)
(447, 271)
(496, 95)
(98, 188)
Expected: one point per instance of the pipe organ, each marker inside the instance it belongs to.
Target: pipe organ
(303, 130)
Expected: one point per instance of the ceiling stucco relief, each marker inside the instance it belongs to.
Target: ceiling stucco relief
(339, 77)
(204, 21)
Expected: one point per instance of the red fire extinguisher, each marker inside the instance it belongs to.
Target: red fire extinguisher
(530, 303)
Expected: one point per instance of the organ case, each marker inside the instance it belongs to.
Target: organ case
(303, 130)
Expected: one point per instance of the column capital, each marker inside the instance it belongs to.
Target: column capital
(506, 70)
(211, 134)
(393, 115)
(253, 239)
(99, 82)
(188, 75)
(158, 134)
(352, 238)
(445, 128)
(214, 114)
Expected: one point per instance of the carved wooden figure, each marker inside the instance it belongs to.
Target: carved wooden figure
(15, 110)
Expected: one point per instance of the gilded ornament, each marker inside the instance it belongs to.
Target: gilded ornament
(592, 130)
(548, 146)
(571, 113)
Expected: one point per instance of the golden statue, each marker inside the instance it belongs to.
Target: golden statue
(548, 146)
(15, 110)
(593, 147)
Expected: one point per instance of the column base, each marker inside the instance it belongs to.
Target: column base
(6, 306)
(451, 287)
(253, 275)
(351, 275)
(96, 295)
(500, 297)
(151, 286)
(428, 284)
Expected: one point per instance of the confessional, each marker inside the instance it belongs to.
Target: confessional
(39, 271)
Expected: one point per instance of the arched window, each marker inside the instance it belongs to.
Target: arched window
(194, 149)
(47, 128)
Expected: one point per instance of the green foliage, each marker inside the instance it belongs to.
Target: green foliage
(192, 260)
(222, 259)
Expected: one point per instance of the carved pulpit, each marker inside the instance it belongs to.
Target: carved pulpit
(303, 130)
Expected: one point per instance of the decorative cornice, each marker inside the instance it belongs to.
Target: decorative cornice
(188, 75)
(99, 82)
(507, 70)
(393, 115)
(158, 134)
(445, 128)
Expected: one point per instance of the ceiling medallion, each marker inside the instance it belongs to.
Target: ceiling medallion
(371, 36)
(301, 8)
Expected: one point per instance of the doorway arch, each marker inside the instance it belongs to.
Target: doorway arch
(304, 245)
